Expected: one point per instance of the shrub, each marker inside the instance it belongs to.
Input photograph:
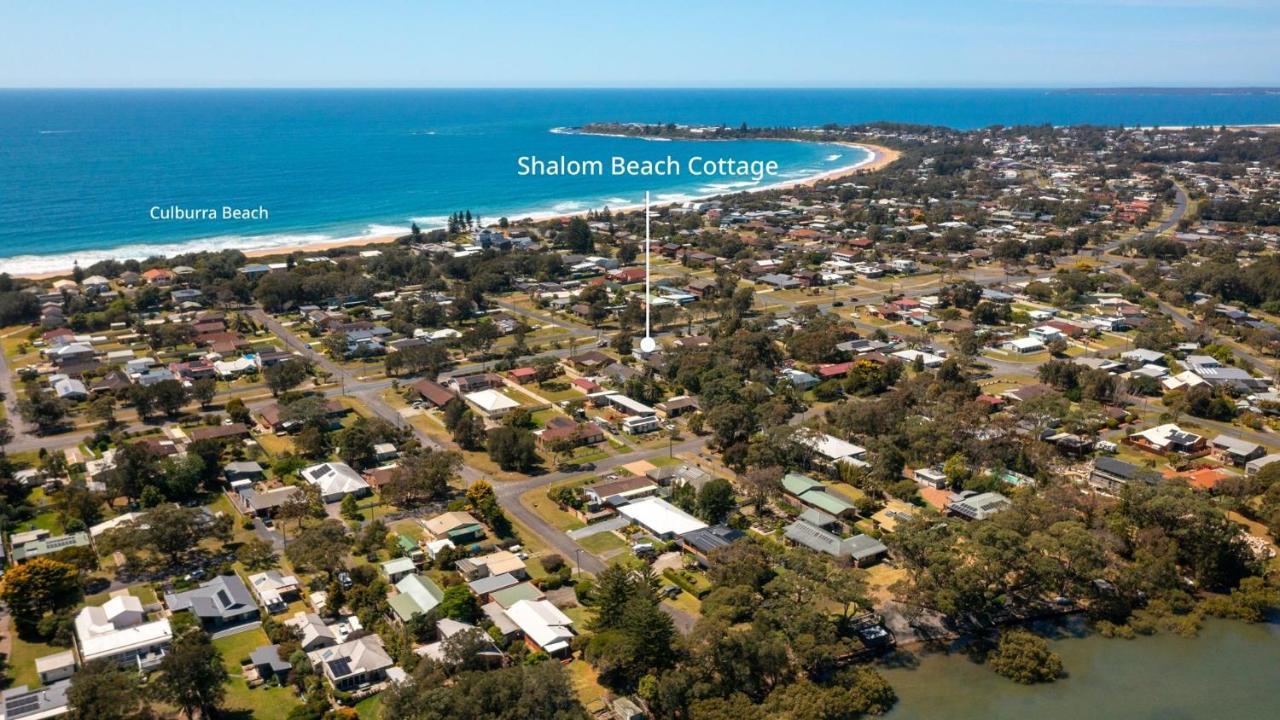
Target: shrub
(1025, 658)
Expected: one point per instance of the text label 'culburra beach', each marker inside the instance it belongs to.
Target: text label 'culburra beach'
(618, 166)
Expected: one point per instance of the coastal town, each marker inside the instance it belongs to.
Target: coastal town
(993, 378)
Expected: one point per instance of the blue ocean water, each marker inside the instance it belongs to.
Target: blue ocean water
(81, 169)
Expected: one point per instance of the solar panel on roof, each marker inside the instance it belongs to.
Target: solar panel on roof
(340, 667)
(21, 704)
(223, 599)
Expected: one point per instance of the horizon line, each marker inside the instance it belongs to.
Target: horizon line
(1246, 87)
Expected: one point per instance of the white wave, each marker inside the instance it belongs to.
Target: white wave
(40, 264)
(673, 197)
(568, 206)
(833, 157)
(617, 201)
(430, 221)
(55, 132)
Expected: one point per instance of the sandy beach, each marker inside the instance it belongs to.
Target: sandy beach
(881, 157)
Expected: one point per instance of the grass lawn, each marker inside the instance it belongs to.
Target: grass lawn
(687, 603)
(568, 393)
(532, 543)
(537, 501)
(237, 647)
(272, 703)
(664, 461)
(21, 663)
(275, 446)
(602, 542)
(590, 693)
(407, 526)
(880, 578)
(370, 708)
(145, 593)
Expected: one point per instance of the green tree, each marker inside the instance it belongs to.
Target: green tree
(203, 391)
(1025, 658)
(104, 690)
(422, 475)
(458, 604)
(716, 501)
(42, 409)
(257, 554)
(512, 448)
(284, 376)
(192, 675)
(320, 546)
(38, 586)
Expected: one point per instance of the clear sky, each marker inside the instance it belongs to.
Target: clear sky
(649, 43)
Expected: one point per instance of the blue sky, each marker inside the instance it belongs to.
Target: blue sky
(647, 43)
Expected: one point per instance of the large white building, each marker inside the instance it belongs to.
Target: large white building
(661, 517)
(115, 631)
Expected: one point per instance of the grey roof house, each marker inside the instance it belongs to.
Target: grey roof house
(219, 603)
(861, 550)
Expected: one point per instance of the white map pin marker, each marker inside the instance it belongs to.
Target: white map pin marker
(648, 344)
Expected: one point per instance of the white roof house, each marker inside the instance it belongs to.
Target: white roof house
(832, 448)
(113, 523)
(70, 388)
(929, 360)
(114, 630)
(661, 517)
(492, 403)
(336, 480)
(1024, 345)
(543, 624)
(271, 587)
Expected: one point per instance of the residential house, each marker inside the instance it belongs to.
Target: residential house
(702, 542)
(458, 526)
(979, 506)
(268, 664)
(807, 492)
(335, 480)
(860, 550)
(1236, 451)
(275, 590)
(265, 503)
(415, 595)
(39, 543)
(26, 703)
(433, 393)
(353, 665)
(491, 404)
(397, 568)
(1110, 474)
(495, 563)
(116, 631)
(1168, 438)
(544, 626)
(312, 631)
(660, 518)
(218, 604)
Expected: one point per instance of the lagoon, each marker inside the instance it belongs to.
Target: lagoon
(1231, 671)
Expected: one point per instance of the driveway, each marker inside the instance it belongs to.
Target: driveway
(613, 523)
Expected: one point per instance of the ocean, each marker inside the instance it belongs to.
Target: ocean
(81, 170)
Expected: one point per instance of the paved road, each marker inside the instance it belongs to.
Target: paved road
(11, 403)
(1180, 204)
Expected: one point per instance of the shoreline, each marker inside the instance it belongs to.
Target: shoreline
(879, 158)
